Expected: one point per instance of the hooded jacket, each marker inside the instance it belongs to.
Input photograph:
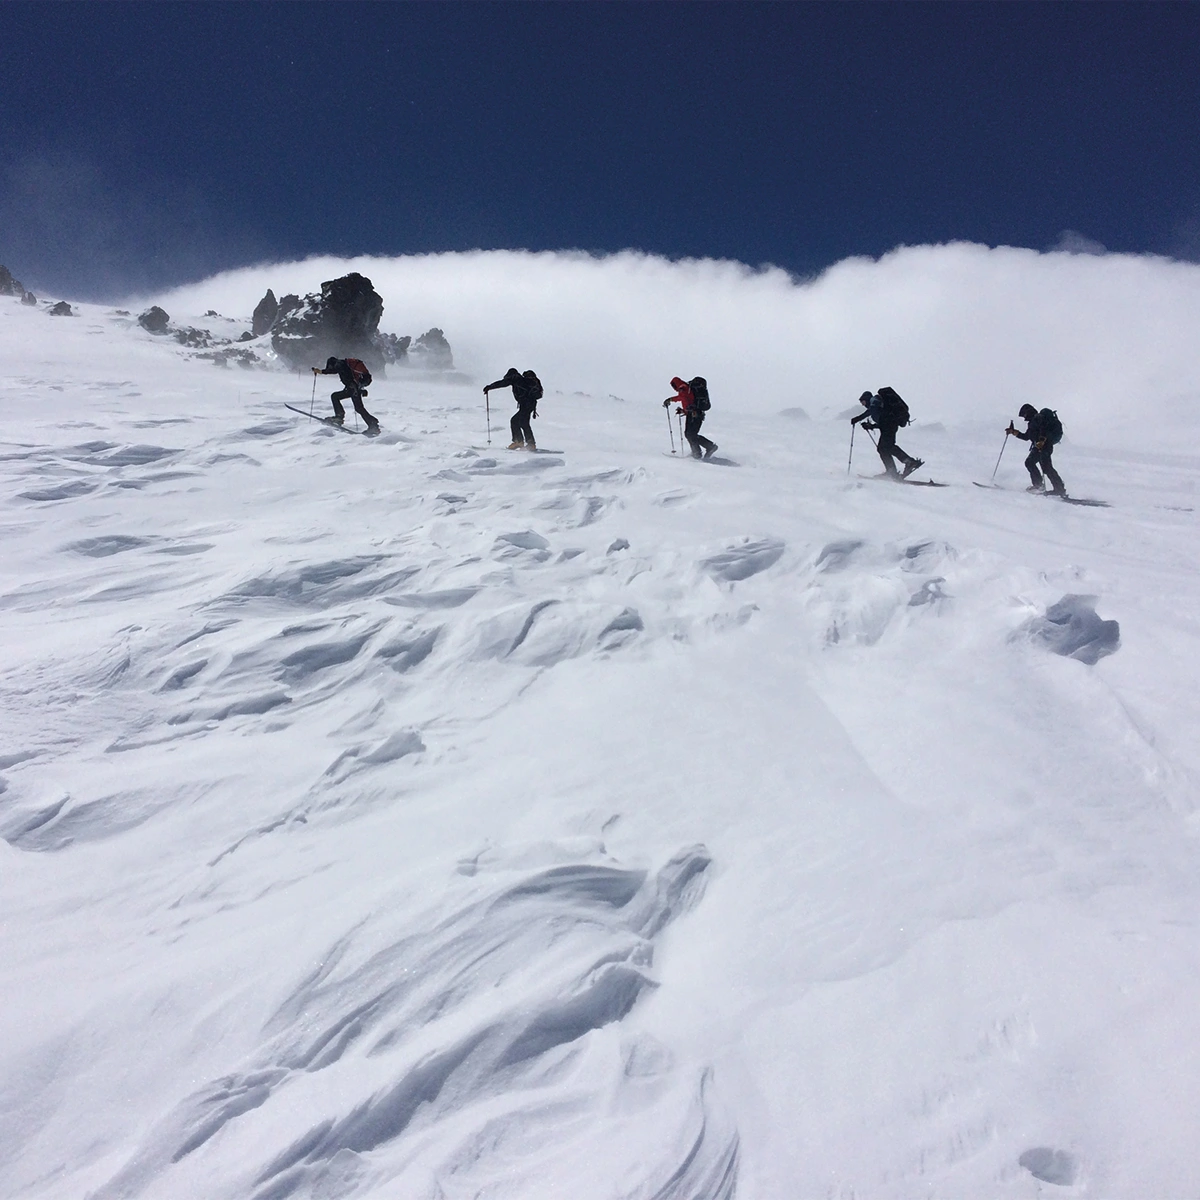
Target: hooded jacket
(683, 394)
(519, 384)
(1035, 432)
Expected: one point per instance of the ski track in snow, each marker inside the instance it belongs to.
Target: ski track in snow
(412, 817)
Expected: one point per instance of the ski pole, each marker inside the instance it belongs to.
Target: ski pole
(670, 430)
(1000, 455)
(679, 418)
(313, 401)
(487, 404)
(851, 458)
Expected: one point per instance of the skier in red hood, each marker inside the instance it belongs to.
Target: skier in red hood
(692, 397)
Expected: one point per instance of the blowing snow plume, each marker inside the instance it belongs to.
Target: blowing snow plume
(963, 331)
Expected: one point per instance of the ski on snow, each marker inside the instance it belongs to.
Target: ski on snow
(909, 482)
(996, 487)
(332, 423)
(718, 460)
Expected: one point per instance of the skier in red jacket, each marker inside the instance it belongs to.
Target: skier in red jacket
(694, 410)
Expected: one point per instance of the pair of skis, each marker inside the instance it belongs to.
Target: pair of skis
(334, 423)
(995, 487)
(886, 478)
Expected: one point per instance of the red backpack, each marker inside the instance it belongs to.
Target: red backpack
(358, 369)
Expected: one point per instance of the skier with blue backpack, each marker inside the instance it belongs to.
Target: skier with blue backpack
(1043, 430)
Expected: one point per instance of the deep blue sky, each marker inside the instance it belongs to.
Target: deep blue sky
(147, 144)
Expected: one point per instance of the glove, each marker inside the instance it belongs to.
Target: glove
(868, 425)
(667, 403)
(1042, 444)
(486, 390)
(316, 370)
(1010, 428)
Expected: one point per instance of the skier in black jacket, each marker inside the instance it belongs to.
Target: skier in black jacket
(526, 392)
(1038, 463)
(352, 389)
(882, 414)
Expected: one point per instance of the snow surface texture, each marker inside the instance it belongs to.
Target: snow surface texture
(415, 818)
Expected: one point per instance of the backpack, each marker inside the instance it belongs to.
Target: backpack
(1052, 428)
(892, 406)
(699, 387)
(358, 369)
(533, 385)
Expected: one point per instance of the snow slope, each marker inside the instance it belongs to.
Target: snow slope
(413, 818)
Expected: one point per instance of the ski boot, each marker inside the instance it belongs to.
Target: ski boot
(913, 464)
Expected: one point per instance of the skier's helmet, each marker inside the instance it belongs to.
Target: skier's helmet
(1027, 412)
(330, 363)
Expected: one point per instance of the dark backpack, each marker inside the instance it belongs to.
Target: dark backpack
(533, 385)
(699, 387)
(893, 407)
(1052, 429)
(358, 369)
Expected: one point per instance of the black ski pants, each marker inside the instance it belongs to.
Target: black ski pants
(522, 431)
(692, 421)
(1039, 463)
(354, 394)
(887, 448)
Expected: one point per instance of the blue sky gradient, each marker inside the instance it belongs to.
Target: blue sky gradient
(148, 144)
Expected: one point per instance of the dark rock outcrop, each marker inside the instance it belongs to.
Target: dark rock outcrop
(244, 358)
(264, 314)
(154, 320)
(246, 337)
(431, 350)
(343, 320)
(29, 298)
(394, 349)
(187, 336)
(10, 286)
(61, 309)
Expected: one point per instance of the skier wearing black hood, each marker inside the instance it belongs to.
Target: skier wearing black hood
(527, 391)
(355, 377)
(1042, 429)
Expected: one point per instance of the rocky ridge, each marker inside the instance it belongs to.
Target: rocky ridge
(341, 320)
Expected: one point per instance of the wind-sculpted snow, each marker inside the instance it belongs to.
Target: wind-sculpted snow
(410, 817)
(1072, 627)
(1050, 1166)
(746, 559)
(439, 1044)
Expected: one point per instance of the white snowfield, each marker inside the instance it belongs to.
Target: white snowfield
(411, 818)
